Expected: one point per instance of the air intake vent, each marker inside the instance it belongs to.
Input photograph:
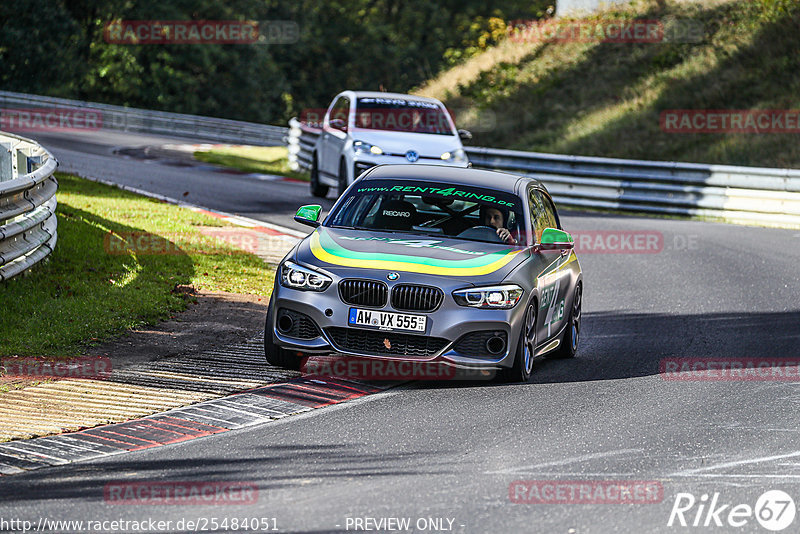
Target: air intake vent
(408, 297)
(363, 292)
(295, 324)
(483, 344)
(376, 343)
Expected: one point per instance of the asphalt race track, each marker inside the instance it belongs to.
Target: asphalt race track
(443, 455)
(92, 154)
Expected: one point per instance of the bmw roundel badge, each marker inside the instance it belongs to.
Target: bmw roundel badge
(392, 276)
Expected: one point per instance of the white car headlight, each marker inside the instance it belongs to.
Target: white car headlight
(502, 297)
(296, 277)
(456, 156)
(360, 147)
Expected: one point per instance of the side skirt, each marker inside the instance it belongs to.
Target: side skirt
(553, 344)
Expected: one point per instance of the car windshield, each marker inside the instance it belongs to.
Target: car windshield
(401, 115)
(433, 209)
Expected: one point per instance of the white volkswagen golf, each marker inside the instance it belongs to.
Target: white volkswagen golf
(363, 129)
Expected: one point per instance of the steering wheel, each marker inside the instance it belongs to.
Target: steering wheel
(483, 233)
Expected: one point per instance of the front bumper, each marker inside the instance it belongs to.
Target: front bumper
(452, 332)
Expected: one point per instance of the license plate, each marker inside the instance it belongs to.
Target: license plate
(387, 320)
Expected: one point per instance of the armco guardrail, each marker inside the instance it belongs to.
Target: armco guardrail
(143, 121)
(737, 194)
(27, 204)
(301, 140)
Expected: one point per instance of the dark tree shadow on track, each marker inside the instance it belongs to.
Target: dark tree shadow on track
(632, 345)
(628, 345)
(84, 482)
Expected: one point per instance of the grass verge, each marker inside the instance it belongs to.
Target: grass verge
(120, 262)
(257, 159)
(606, 99)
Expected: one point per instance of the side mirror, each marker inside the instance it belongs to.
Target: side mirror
(338, 124)
(465, 135)
(308, 215)
(554, 239)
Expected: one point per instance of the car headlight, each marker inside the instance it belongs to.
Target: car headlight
(360, 147)
(456, 156)
(296, 277)
(501, 297)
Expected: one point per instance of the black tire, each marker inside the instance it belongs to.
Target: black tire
(526, 349)
(569, 343)
(342, 176)
(276, 355)
(317, 189)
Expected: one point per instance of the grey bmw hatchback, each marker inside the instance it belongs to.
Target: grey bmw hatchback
(464, 267)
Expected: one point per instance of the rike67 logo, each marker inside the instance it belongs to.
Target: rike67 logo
(774, 510)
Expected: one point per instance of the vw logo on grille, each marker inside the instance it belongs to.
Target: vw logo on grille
(412, 156)
(392, 276)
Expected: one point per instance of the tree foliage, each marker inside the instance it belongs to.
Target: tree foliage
(57, 47)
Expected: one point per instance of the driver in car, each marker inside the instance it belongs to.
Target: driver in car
(497, 218)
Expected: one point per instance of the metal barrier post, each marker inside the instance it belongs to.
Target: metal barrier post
(6, 162)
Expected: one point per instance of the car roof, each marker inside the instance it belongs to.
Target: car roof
(378, 94)
(501, 181)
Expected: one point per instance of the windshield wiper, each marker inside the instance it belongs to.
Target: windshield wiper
(351, 227)
(388, 231)
(367, 229)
